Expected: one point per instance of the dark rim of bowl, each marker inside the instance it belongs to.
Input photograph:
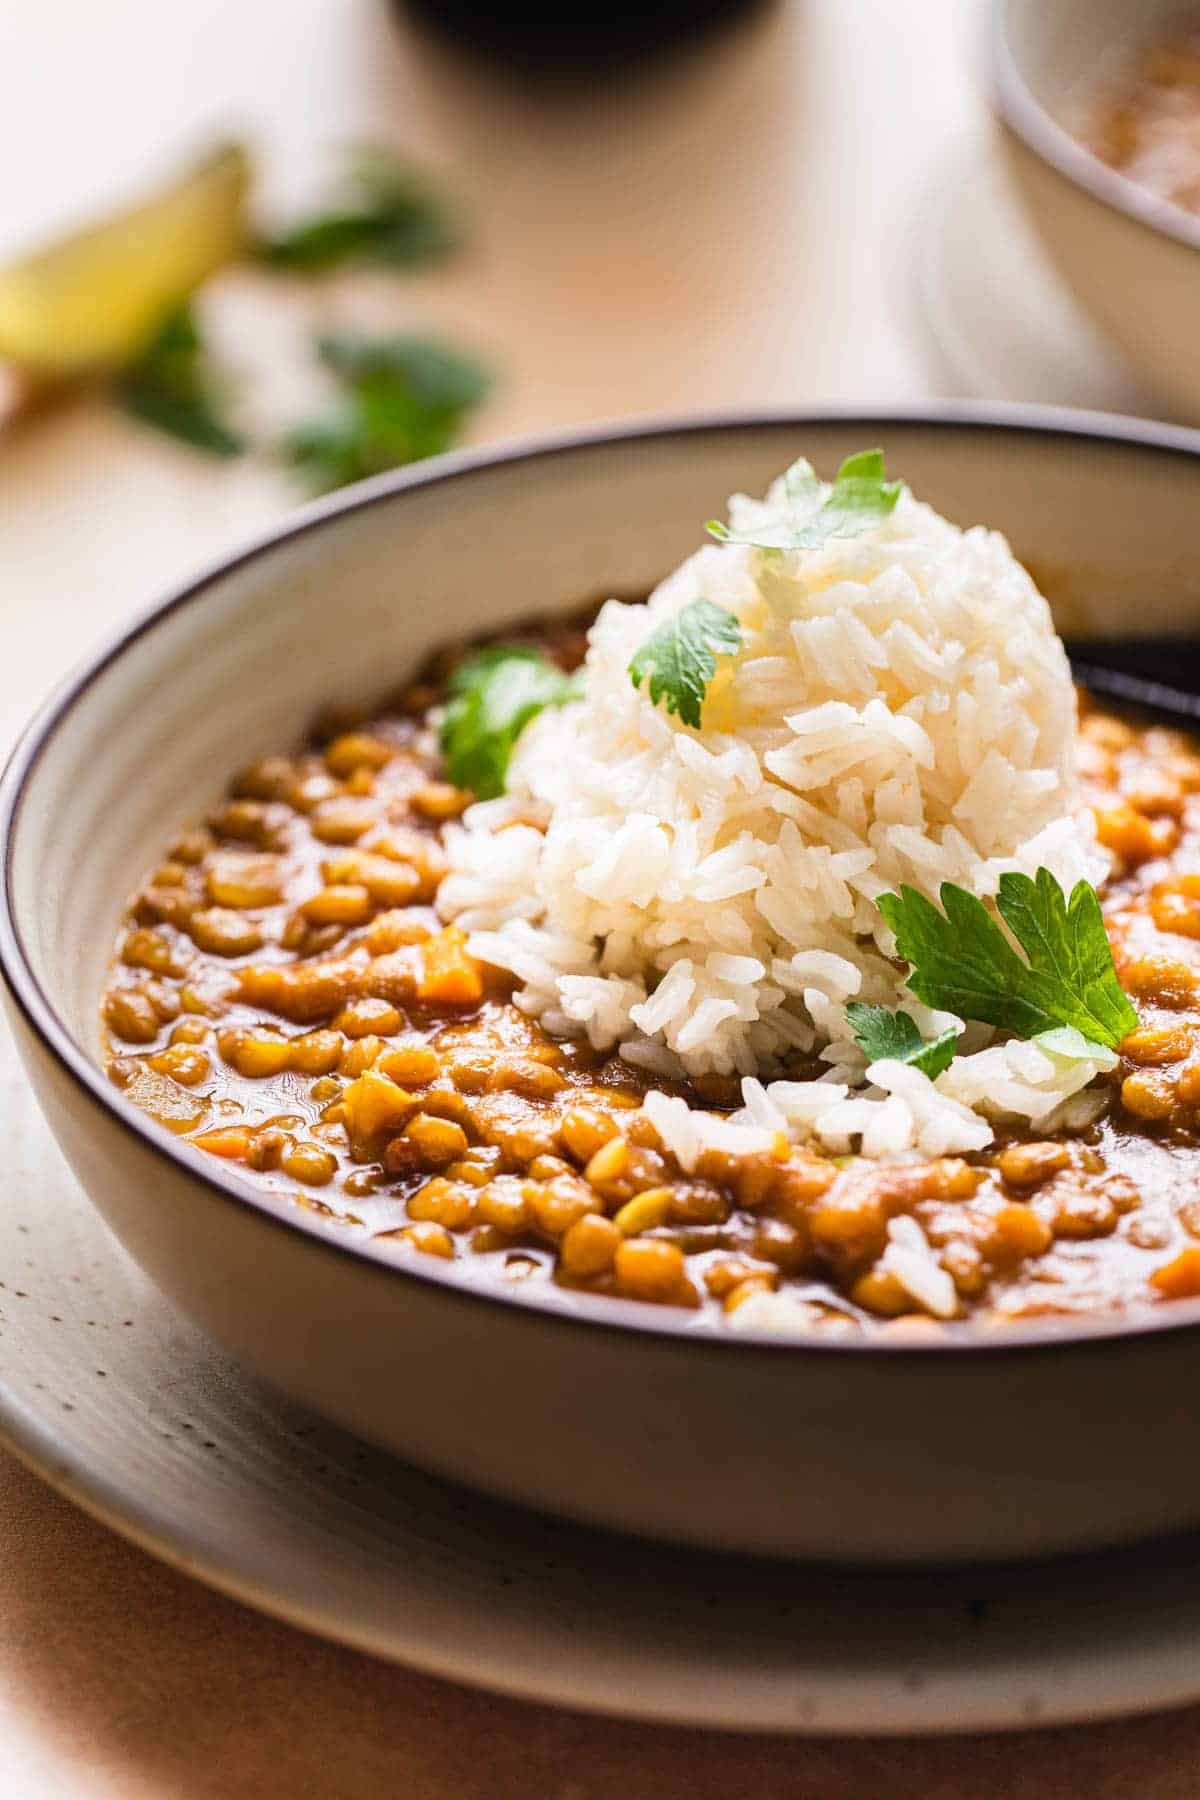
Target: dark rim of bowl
(1040, 132)
(581, 1312)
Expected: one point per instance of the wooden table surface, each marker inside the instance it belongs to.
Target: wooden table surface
(742, 227)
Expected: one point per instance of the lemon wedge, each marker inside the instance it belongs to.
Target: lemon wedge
(90, 302)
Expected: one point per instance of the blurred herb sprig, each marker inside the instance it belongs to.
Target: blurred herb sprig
(403, 398)
(383, 211)
(172, 386)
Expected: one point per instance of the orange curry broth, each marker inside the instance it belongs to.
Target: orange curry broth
(285, 997)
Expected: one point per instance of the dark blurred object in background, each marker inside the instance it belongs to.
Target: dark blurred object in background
(571, 40)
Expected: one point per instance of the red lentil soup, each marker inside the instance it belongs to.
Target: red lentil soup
(1148, 127)
(285, 998)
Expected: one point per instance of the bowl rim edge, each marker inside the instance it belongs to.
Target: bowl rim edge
(563, 1308)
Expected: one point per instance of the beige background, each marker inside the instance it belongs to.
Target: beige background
(746, 227)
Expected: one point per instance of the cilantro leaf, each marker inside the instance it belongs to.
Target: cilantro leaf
(384, 212)
(171, 387)
(493, 694)
(858, 499)
(404, 398)
(962, 961)
(1071, 943)
(681, 657)
(883, 1035)
(439, 379)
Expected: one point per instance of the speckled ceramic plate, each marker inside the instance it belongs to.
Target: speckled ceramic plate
(131, 1412)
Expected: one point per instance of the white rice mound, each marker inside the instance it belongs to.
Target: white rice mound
(900, 711)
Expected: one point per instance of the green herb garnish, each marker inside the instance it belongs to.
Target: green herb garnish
(384, 213)
(962, 962)
(681, 657)
(493, 694)
(883, 1035)
(171, 387)
(405, 398)
(858, 499)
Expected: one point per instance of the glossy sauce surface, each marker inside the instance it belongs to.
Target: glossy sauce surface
(285, 997)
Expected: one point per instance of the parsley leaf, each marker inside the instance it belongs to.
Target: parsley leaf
(405, 398)
(963, 962)
(385, 212)
(858, 499)
(884, 1035)
(171, 387)
(493, 694)
(681, 656)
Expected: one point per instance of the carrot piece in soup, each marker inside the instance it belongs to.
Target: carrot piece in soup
(1179, 1279)
(449, 976)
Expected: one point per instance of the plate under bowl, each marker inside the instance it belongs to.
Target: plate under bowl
(1039, 1440)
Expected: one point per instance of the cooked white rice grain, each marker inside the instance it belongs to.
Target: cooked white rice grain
(900, 711)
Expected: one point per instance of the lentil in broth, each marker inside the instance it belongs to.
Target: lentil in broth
(285, 997)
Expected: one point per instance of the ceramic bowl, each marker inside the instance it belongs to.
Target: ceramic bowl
(625, 1415)
(1132, 260)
